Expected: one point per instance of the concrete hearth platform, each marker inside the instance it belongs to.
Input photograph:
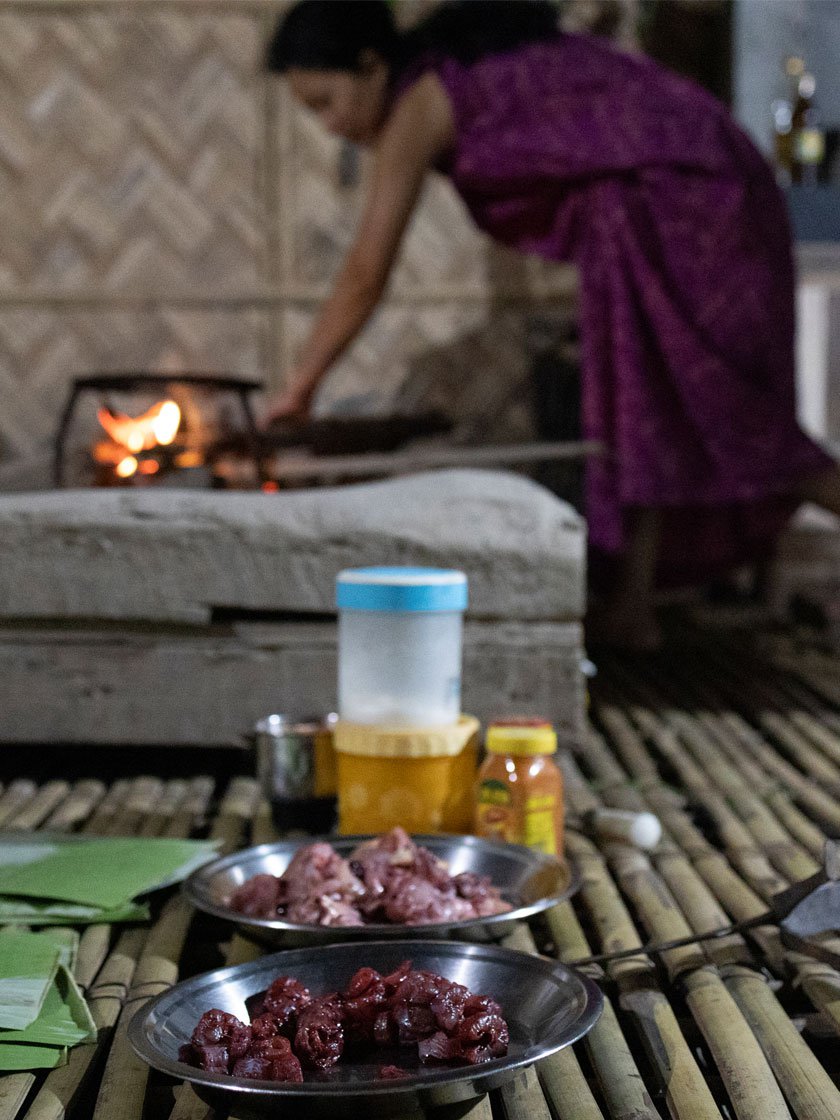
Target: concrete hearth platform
(180, 617)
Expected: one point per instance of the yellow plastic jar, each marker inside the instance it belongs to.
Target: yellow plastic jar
(421, 779)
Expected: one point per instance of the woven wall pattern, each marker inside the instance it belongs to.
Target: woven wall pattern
(163, 204)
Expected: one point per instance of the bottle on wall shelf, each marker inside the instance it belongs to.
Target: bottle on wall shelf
(799, 141)
(519, 791)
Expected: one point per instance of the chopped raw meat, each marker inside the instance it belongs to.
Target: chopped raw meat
(319, 1038)
(446, 1021)
(390, 879)
(284, 999)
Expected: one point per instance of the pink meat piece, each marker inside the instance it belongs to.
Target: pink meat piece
(413, 900)
(407, 884)
(321, 889)
(324, 911)
(389, 879)
(375, 860)
(480, 893)
(258, 897)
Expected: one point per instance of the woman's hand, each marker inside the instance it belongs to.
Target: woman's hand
(292, 402)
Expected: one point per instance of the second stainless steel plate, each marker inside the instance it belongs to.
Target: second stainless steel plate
(547, 1006)
(529, 881)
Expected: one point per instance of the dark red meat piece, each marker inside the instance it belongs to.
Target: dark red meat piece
(439, 1047)
(363, 1001)
(319, 1038)
(284, 999)
(448, 1023)
(287, 1068)
(392, 1073)
(482, 1037)
(219, 1039)
(213, 1057)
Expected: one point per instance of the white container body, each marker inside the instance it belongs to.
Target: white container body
(400, 668)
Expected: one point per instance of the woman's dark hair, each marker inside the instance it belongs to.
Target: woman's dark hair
(334, 34)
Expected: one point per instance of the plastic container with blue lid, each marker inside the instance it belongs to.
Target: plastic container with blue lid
(399, 645)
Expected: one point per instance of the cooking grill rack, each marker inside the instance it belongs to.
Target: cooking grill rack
(101, 384)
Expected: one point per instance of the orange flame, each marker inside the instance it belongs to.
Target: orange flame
(154, 428)
(126, 467)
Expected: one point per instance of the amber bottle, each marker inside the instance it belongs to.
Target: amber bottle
(519, 791)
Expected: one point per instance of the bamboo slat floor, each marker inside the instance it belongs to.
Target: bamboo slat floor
(732, 736)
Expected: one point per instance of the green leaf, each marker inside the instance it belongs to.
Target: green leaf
(64, 1019)
(14, 1057)
(28, 964)
(31, 912)
(102, 871)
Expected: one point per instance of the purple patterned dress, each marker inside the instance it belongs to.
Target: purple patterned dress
(577, 152)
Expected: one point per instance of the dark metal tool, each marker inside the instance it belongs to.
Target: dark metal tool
(801, 911)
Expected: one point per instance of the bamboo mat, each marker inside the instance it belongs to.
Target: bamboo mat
(732, 738)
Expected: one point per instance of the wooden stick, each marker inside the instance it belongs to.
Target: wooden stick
(686, 1091)
(36, 810)
(565, 1088)
(822, 986)
(621, 1083)
(145, 794)
(122, 1091)
(111, 804)
(191, 813)
(83, 798)
(236, 811)
(93, 951)
(105, 1000)
(19, 793)
(171, 798)
(751, 1086)
(561, 1075)
(806, 1085)
(523, 1099)
(330, 468)
(700, 908)
(190, 1107)
(14, 1089)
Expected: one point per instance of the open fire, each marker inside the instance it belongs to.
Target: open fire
(143, 444)
(159, 429)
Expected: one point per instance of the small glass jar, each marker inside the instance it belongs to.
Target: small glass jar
(399, 646)
(519, 791)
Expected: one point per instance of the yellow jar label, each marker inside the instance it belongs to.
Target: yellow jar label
(539, 830)
(532, 823)
(495, 816)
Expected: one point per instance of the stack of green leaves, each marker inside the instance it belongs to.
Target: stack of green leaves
(42, 1011)
(54, 879)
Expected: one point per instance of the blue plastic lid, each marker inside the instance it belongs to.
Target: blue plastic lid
(401, 589)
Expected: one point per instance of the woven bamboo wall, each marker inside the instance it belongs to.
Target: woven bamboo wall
(163, 205)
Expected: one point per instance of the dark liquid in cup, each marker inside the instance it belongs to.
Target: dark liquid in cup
(315, 815)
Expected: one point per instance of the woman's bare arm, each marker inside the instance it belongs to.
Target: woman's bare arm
(419, 130)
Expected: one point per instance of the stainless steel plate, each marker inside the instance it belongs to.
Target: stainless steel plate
(547, 1006)
(528, 880)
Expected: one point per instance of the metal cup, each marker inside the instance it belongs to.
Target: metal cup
(286, 751)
